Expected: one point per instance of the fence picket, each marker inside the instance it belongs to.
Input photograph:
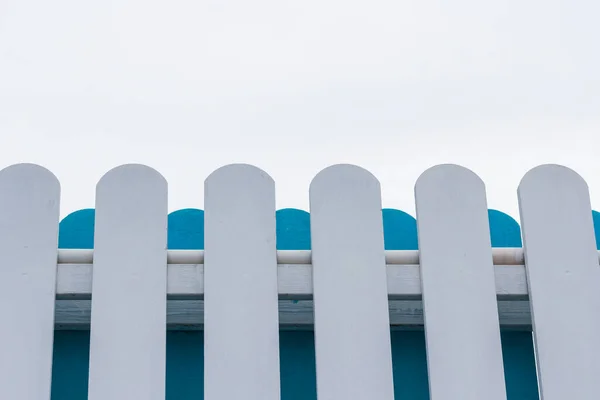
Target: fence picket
(563, 279)
(127, 349)
(349, 285)
(233, 296)
(462, 330)
(29, 213)
(241, 327)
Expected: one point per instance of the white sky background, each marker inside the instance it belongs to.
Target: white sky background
(295, 86)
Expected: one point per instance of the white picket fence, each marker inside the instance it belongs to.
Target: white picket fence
(241, 277)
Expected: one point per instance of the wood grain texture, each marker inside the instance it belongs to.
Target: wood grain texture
(563, 284)
(241, 329)
(29, 214)
(127, 350)
(464, 354)
(352, 335)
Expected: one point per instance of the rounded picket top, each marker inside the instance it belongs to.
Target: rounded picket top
(348, 258)
(455, 252)
(38, 178)
(237, 176)
(128, 198)
(548, 179)
(346, 177)
(293, 229)
(555, 209)
(345, 207)
(344, 199)
(240, 254)
(130, 246)
(504, 230)
(399, 230)
(562, 273)
(29, 194)
(239, 206)
(129, 177)
(448, 178)
(29, 217)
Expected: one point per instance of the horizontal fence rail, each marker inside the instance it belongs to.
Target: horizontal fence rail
(186, 281)
(185, 288)
(501, 256)
(349, 300)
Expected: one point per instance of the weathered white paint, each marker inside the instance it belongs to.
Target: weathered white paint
(294, 281)
(565, 288)
(352, 334)
(185, 283)
(127, 349)
(241, 329)
(293, 314)
(502, 256)
(464, 355)
(29, 214)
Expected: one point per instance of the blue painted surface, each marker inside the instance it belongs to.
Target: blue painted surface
(517, 347)
(186, 229)
(76, 230)
(71, 348)
(185, 349)
(70, 365)
(519, 366)
(504, 230)
(596, 219)
(293, 229)
(408, 347)
(297, 349)
(399, 230)
(410, 365)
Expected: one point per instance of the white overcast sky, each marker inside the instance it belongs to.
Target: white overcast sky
(295, 86)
